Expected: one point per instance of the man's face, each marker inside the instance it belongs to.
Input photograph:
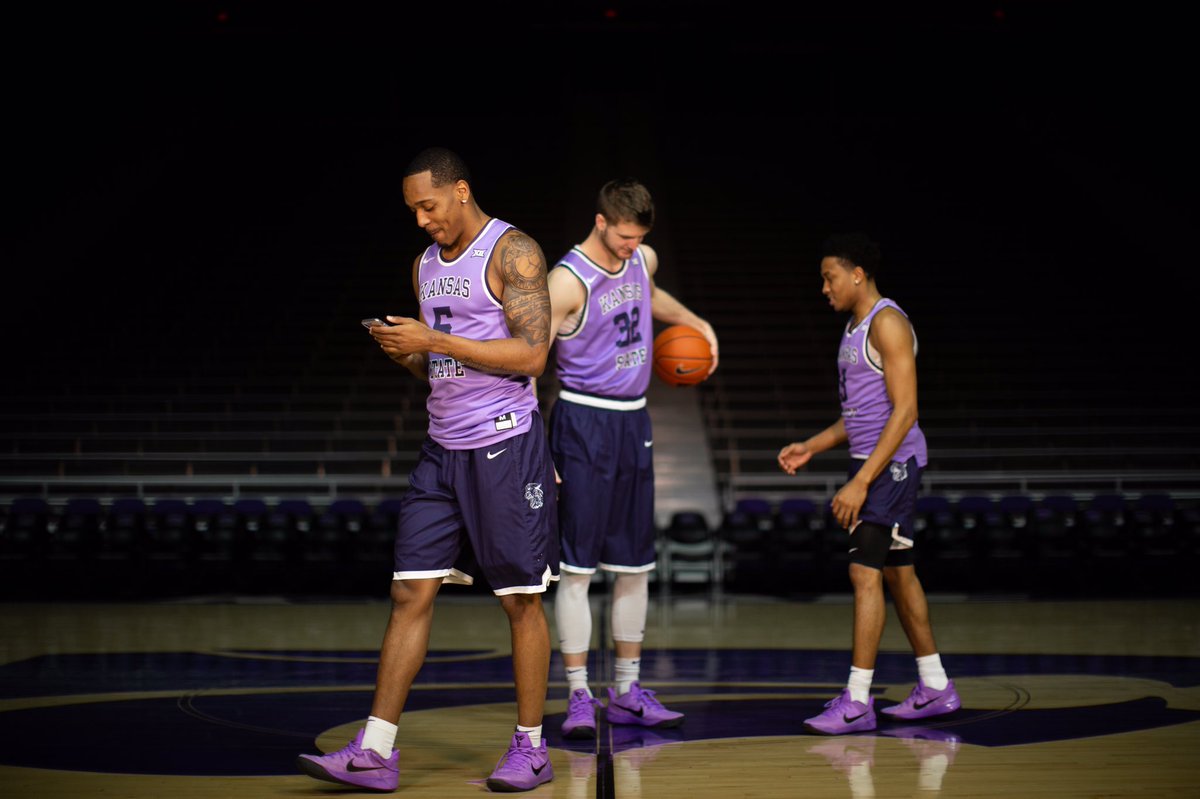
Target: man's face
(838, 283)
(621, 238)
(438, 209)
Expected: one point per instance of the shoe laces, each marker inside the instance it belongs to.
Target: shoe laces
(838, 700)
(518, 757)
(647, 697)
(581, 705)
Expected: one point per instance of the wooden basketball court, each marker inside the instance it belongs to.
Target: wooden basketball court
(216, 698)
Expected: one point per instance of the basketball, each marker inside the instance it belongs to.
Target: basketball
(681, 356)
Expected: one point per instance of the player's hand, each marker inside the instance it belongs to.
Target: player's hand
(403, 337)
(794, 456)
(847, 502)
(710, 336)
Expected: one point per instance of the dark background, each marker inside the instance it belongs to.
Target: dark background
(173, 167)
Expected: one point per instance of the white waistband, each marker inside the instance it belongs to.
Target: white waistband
(602, 402)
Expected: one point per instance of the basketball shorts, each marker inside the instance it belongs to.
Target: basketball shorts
(606, 501)
(493, 509)
(887, 538)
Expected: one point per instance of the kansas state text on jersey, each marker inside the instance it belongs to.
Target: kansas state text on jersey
(607, 351)
(468, 408)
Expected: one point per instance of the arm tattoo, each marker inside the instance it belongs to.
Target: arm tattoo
(526, 297)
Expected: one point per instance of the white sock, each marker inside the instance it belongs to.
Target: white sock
(626, 671)
(932, 673)
(577, 678)
(534, 733)
(860, 684)
(380, 736)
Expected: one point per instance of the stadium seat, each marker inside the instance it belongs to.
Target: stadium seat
(690, 553)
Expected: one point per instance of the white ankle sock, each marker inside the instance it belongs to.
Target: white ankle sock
(860, 684)
(577, 678)
(932, 673)
(626, 671)
(534, 733)
(380, 736)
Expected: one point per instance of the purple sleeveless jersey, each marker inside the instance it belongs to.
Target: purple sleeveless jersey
(607, 350)
(468, 408)
(865, 403)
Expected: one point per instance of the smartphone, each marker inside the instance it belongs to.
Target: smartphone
(372, 322)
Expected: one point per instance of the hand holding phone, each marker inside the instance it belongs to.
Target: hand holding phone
(372, 322)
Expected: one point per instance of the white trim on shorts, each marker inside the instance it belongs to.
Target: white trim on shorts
(547, 576)
(608, 567)
(602, 402)
(565, 567)
(449, 576)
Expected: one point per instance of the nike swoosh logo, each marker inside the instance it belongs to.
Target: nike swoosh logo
(849, 720)
(679, 370)
(351, 767)
(539, 769)
(648, 443)
(426, 260)
(494, 454)
(590, 280)
(919, 705)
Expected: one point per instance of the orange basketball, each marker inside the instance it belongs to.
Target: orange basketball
(681, 356)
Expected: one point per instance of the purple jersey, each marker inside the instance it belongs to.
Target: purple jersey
(604, 350)
(866, 406)
(469, 408)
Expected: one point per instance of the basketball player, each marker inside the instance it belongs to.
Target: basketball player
(484, 481)
(604, 298)
(877, 380)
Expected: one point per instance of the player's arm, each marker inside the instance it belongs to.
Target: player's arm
(665, 308)
(797, 454)
(567, 296)
(892, 336)
(516, 274)
(415, 362)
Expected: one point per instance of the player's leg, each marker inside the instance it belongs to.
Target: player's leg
(934, 694)
(629, 703)
(911, 607)
(531, 654)
(427, 542)
(629, 553)
(405, 643)
(573, 619)
(510, 511)
(854, 709)
(578, 436)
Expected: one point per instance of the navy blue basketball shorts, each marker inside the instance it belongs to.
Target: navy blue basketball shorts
(606, 501)
(884, 533)
(493, 508)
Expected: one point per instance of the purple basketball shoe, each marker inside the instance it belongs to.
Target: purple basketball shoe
(353, 765)
(581, 715)
(639, 707)
(523, 767)
(843, 715)
(924, 702)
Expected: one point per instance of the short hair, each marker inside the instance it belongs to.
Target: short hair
(856, 248)
(626, 200)
(443, 165)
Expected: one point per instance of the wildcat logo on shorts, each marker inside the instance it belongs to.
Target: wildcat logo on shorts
(899, 472)
(533, 493)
